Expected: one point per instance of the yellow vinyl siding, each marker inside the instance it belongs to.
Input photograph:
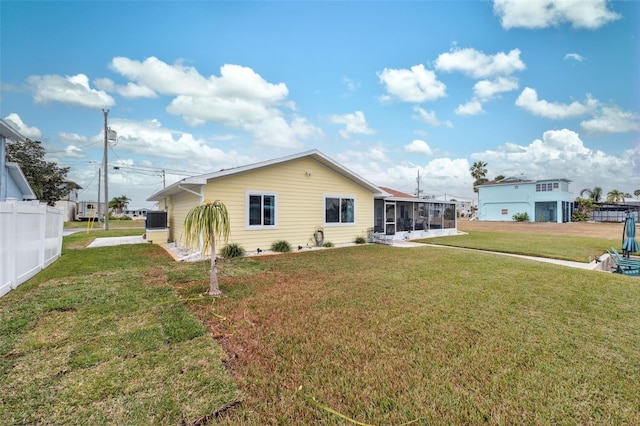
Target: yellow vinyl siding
(179, 207)
(300, 204)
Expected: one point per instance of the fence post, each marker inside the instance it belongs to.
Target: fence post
(12, 242)
(43, 234)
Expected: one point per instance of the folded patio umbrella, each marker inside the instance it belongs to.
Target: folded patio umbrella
(630, 245)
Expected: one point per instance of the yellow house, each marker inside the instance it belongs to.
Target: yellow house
(304, 199)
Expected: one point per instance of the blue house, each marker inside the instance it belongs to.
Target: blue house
(13, 183)
(546, 200)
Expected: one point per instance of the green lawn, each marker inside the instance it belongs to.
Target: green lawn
(100, 337)
(113, 223)
(373, 334)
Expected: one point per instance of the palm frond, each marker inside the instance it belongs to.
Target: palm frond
(205, 222)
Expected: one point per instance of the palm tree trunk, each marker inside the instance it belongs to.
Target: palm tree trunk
(214, 289)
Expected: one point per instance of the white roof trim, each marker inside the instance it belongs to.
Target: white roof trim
(314, 154)
(19, 178)
(8, 132)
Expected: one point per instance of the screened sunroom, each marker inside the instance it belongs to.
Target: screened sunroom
(402, 218)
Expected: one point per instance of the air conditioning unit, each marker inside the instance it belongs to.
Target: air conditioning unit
(156, 220)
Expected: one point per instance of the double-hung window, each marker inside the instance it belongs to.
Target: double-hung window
(261, 210)
(339, 210)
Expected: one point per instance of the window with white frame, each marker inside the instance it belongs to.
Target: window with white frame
(339, 209)
(261, 210)
(543, 187)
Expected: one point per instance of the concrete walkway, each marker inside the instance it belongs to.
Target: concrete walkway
(117, 241)
(593, 266)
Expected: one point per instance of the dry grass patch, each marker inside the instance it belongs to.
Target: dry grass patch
(388, 336)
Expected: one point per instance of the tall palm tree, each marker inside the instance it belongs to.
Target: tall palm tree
(615, 196)
(202, 225)
(594, 194)
(478, 173)
(119, 203)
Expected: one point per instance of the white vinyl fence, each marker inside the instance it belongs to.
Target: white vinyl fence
(30, 240)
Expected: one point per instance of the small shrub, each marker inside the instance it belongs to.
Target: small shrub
(577, 216)
(232, 250)
(521, 217)
(360, 240)
(281, 246)
(125, 218)
(328, 244)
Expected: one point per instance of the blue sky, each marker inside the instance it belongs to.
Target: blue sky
(536, 89)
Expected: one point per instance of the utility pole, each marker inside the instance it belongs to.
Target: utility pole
(106, 168)
(418, 191)
(164, 184)
(99, 177)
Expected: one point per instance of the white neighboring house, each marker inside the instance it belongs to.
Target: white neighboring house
(30, 232)
(546, 200)
(13, 183)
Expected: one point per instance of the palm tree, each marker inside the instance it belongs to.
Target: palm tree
(594, 194)
(119, 203)
(478, 173)
(615, 196)
(637, 193)
(202, 225)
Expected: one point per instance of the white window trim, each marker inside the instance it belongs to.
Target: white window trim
(247, 205)
(340, 196)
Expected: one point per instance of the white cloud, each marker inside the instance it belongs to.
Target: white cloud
(473, 107)
(351, 85)
(151, 139)
(487, 89)
(74, 90)
(105, 84)
(32, 133)
(557, 154)
(612, 120)
(418, 147)
(355, 123)
(438, 176)
(575, 57)
(75, 139)
(72, 151)
(239, 98)
(477, 64)
(429, 117)
(235, 81)
(528, 100)
(589, 14)
(414, 85)
(132, 90)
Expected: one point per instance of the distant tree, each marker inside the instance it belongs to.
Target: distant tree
(627, 195)
(478, 173)
(615, 196)
(594, 194)
(202, 225)
(637, 193)
(47, 180)
(119, 203)
(499, 178)
(583, 209)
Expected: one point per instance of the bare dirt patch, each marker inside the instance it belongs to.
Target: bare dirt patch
(583, 229)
